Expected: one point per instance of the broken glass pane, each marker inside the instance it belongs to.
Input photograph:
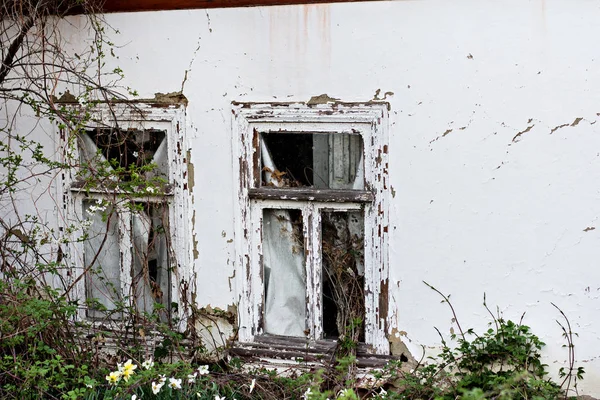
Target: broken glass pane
(284, 269)
(101, 251)
(150, 283)
(322, 161)
(343, 273)
(112, 155)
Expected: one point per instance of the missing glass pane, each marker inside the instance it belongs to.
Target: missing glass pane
(101, 252)
(325, 161)
(343, 274)
(151, 278)
(123, 155)
(284, 269)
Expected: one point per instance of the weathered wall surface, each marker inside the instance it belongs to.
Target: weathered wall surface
(494, 143)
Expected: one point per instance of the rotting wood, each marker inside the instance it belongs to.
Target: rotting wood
(135, 115)
(301, 349)
(366, 119)
(303, 194)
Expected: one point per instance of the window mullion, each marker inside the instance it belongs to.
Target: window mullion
(312, 233)
(126, 250)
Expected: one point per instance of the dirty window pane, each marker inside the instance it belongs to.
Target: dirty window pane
(109, 156)
(322, 161)
(343, 273)
(101, 250)
(284, 269)
(150, 283)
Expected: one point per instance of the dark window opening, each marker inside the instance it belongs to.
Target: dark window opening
(119, 158)
(343, 274)
(322, 161)
(151, 278)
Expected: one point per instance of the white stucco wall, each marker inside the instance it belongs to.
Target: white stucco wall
(476, 207)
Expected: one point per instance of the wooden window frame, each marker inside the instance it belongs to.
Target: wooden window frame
(139, 116)
(368, 120)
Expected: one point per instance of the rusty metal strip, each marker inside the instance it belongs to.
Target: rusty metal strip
(156, 5)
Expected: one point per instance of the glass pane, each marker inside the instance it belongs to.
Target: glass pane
(343, 273)
(112, 155)
(284, 269)
(150, 257)
(101, 250)
(323, 161)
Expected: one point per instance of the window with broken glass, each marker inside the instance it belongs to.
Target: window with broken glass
(124, 212)
(123, 183)
(312, 202)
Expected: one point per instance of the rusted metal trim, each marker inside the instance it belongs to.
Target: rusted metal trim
(324, 195)
(156, 5)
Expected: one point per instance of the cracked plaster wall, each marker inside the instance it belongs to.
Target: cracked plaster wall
(494, 143)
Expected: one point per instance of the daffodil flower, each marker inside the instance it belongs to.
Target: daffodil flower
(113, 377)
(127, 369)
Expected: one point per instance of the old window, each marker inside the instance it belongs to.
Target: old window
(312, 243)
(126, 194)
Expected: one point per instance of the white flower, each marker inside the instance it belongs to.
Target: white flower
(162, 379)
(156, 387)
(150, 189)
(423, 381)
(96, 208)
(252, 384)
(192, 378)
(175, 383)
(148, 364)
(307, 394)
(134, 397)
(135, 154)
(217, 397)
(203, 370)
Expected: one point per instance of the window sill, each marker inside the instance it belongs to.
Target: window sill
(323, 195)
(304, 350)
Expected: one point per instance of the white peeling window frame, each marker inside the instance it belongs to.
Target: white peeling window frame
(370, 121)
(142, 117)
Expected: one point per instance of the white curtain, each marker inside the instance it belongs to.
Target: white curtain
(283, 266)
(104, 283)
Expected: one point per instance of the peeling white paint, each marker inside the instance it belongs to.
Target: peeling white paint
(498, 204)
